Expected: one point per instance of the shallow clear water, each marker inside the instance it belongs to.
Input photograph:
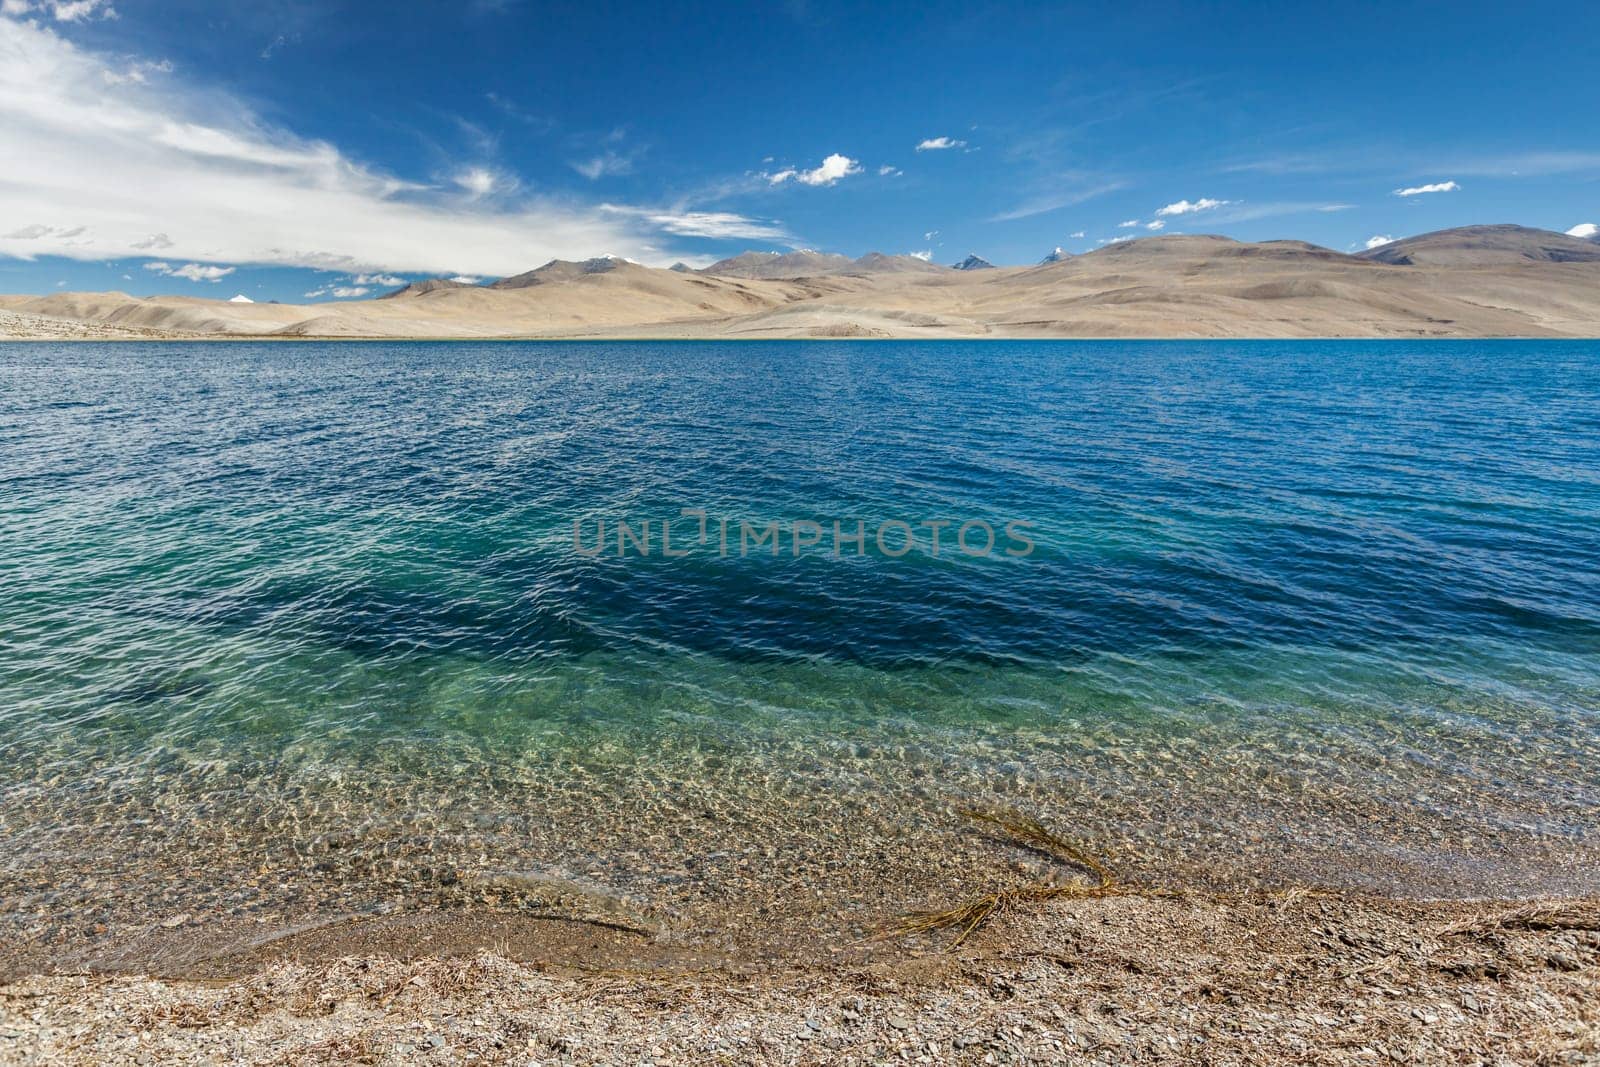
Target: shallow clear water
(1321, 611)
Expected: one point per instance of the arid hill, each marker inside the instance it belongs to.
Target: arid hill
(429, 285)
(1482, 281)
(1482, 246)
(809, 264)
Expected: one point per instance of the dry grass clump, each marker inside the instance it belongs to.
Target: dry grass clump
(967, 918)
(1540, 915)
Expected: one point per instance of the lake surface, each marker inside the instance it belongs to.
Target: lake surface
(295, 629)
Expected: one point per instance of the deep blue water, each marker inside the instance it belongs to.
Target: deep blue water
(1371, 569)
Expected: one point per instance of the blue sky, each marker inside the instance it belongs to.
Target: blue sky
(285, 147)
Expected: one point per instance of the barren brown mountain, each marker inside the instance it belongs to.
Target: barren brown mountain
(1479, 281)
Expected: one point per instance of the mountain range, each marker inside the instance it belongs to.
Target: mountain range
(1476, 281)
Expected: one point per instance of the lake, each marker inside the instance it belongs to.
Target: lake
(302, 629)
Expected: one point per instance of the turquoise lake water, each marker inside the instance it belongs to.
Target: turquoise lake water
(295, 625)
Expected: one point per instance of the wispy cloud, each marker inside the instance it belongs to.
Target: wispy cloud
(604, 164)
(939, 144)
(724, 225)
(220, 184)
(1189, 207)
(1279, 165)
(1127, 224)
(1055, 201)
(1242, 211)
(1527, 164)
(137, 72)
(1379, 241)
(1155, 224)
(513, 110)
(926, 255)
(1420, 190)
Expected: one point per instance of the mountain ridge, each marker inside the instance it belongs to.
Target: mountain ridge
(1468, 282)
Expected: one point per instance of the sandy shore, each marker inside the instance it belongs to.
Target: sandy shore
(1294, 977)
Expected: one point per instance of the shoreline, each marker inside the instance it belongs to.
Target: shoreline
(28, 327)
(1132, 976)
(113, 336)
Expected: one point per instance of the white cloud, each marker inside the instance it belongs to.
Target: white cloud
(939, 144)
(60, 10)
(925, 255)
(216, 182)
(1379, 241)
(1115, 240)
(1436, 187)
(1187, 207)
(349, 292)
(194, 272)
(1155, 224)
(1127, 224)
(30, 233)
(1587, 230)
(716, 224)
(1076, 233)
(886, 170)
(378, 279)
(466, 279)
(832, 169)
(201, 272)
(480, 182)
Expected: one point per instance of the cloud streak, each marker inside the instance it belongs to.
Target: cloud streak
(1044, 204)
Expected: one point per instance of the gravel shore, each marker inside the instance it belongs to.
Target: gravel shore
(1293, 977)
